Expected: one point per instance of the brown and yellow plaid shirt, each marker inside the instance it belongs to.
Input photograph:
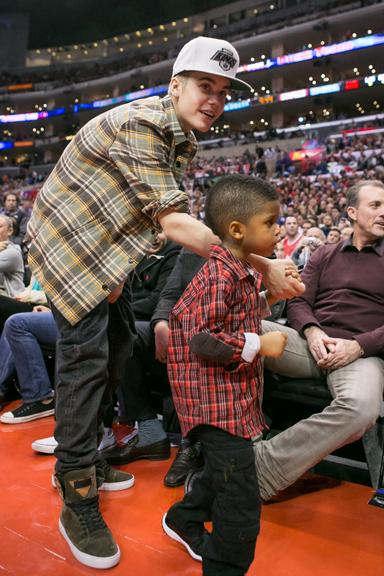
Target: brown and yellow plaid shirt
(94, 218)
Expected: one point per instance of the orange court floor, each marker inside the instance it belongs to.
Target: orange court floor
(328, 532)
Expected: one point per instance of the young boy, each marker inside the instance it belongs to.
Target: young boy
(116, 184)
(216, 375)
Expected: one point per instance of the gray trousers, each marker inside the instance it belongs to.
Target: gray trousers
(357, 391)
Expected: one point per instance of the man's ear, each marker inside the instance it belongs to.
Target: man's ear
(236, 230)
(351, 211)
(175, 86)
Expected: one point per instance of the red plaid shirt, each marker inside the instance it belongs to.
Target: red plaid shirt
(223, 300)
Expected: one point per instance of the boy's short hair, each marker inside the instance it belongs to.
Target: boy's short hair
(236, 197)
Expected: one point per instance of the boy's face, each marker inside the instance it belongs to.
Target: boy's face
(261, 233)
(199, 99)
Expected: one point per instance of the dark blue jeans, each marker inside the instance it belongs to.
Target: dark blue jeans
(20, 350)
(83, 353)
(226, 494)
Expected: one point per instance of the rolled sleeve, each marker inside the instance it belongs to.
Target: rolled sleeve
(142, 153)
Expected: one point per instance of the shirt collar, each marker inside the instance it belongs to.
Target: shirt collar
(377, 247)
(174, 124)
(240, 269)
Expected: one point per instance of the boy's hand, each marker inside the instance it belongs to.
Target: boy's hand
(272, 344)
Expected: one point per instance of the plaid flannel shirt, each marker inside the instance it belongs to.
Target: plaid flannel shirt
(94, 218)
(222, 300)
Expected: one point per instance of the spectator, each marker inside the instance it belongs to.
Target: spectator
(309, 243)
(11, 260)
(293, 235)
(19, 217)
(135, 403)
(344, 343)
(334, 236)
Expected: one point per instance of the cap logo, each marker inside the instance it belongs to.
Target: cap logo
(225, 58)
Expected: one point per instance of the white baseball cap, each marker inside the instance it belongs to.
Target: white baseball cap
(210, 55)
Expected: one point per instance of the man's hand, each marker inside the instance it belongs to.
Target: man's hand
(343, 352)
(161, 331)
(273, 344)
(23, 296)
(116, 293)
(282, 279)
(319, 343)
(41, 308)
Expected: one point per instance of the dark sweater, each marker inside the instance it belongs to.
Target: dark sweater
(344, 295)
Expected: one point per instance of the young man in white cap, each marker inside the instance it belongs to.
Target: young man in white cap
(116, 184)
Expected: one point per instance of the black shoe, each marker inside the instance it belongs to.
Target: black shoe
(187, 459)
(160, 450)
(191, 478)
(193, 544)
(29, 411)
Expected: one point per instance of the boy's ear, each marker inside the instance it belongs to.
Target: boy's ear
(236, 230)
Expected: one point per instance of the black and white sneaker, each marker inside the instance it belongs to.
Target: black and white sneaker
(192, 544)
(29, 411)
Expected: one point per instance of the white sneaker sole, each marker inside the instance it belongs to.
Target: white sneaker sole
(8, 417)
(93, 561)
(43, 448)
(107, 486)
(177, 538)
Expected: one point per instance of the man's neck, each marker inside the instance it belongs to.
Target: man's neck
(360, 241)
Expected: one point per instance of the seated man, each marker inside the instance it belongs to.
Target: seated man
(336, 329)
(135, 404)
(135, 399)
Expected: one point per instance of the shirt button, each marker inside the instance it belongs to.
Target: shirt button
(104, 287)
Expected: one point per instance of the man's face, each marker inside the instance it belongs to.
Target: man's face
(368, 215)
(10, 203)
(199, 99)
(333, 237)
(291, 226)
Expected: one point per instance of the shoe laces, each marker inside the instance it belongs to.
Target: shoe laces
(89, 515)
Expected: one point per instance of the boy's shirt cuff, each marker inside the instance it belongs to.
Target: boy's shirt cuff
(251, 346)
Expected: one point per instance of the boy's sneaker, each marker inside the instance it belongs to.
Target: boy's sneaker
(108, 479)
(29, 411)
(45, 445)
(81, 523)
(193, 544)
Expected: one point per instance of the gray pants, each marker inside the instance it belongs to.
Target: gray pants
(357, 391)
